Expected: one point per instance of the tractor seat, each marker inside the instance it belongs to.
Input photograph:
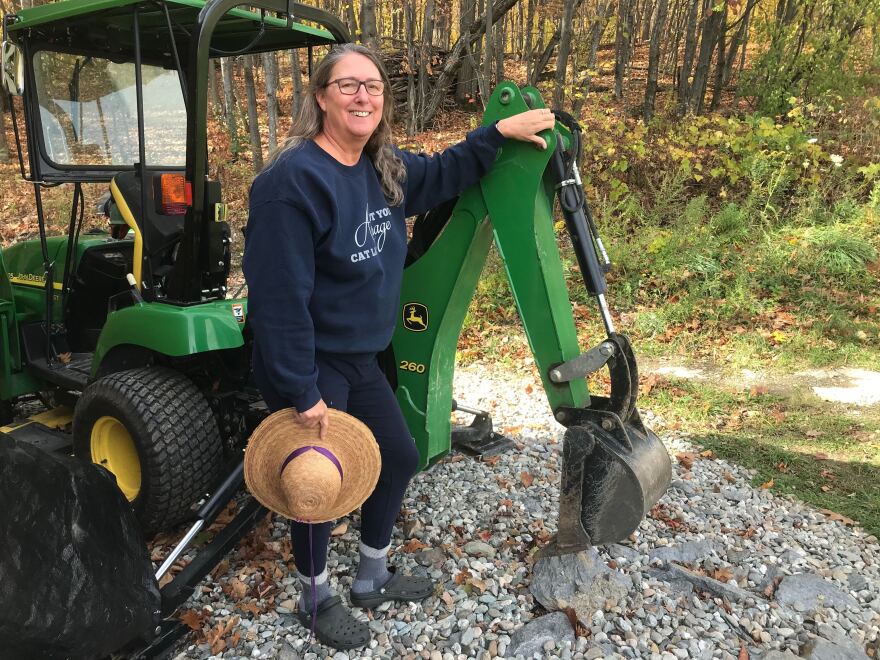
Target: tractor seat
(159, 232)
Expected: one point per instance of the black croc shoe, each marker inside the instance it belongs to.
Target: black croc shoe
(400, 587)
(335, 625)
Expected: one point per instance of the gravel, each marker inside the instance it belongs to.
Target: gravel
(706, 570)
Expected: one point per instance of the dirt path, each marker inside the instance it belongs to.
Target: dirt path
(852, 387)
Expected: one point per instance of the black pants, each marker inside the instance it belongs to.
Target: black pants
(356, 385)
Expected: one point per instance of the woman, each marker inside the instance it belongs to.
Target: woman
(324, 255)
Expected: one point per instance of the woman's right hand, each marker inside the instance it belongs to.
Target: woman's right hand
(317, 415)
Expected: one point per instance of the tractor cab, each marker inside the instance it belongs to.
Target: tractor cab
(104, 93)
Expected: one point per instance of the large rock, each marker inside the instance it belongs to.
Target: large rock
(603, 593)
(687, 553)
(556, 580)
(822, 649)
(530, 639)
(805, 592)
(675, 574)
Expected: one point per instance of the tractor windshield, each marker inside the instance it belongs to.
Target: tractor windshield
(88, 112)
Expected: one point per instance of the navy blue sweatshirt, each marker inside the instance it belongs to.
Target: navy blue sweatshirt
(324, 254)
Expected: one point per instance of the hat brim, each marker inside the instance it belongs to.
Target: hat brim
(281, 433)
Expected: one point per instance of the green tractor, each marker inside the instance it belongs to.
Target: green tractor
(141, 357)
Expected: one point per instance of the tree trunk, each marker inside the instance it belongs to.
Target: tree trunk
(487, 53)
(527, 29)
(707, 46)
(564, 51)
(4, 143)
(296, 76)
(597, 29)
(500, 36)
(453, 60)
(622, 44)
(350, 17)
(654, 59)
(229, 95)
(720, 63)
(739, 39)
(369, 32)
(465, 87)
(270, 75)
(213, 95)
(411, 60)
(424, 59)
(253, 124)
(690, 47)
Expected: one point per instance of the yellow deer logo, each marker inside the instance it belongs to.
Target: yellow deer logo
(415, 317)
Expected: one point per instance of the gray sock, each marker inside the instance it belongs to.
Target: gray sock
(322, 590)
(372, 570)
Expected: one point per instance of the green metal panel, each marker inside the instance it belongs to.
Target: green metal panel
(13, 381)
(520, 204)
(438, 288)
(24, 272)
(172, 330)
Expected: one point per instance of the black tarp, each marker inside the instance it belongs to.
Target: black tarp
(75, 576)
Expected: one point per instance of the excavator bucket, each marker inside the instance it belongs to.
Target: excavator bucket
(613, 468)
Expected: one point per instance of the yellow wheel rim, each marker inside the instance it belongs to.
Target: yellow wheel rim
(112, 447)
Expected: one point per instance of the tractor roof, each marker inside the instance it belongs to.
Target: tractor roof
(104, 28)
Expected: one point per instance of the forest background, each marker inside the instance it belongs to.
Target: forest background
(732, 160)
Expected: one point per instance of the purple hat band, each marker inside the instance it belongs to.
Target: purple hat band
(321, 450)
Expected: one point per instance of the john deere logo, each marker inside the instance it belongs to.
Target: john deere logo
(415, 317)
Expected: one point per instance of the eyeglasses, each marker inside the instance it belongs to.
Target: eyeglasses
(350, 86)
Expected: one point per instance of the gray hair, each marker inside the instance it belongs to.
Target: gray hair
(309, 122)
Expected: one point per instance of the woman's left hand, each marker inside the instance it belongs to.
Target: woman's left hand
(526, 125)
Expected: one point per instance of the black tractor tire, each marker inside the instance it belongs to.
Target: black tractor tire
(172, 430)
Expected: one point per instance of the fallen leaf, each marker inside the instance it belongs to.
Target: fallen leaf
(729, 478)
(165, 579)
(413, 545)
(812, 433)
(479, 584)
(491, 460)
(707, 454)
(463, 576)
(820, 456)
(824, 489)
(192, 619)
(526, 479)
(833, 515)
(446, 597)
(648, 383)
(722, 574)
(340, 529)
(758, 390)
(782, 466)
(529, 389)
(687, 459)
(64, 358)
(767, 485)
(218, 647)
(743, 651)
(238, 589)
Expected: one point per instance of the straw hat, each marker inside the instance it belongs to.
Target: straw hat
(291, 471)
